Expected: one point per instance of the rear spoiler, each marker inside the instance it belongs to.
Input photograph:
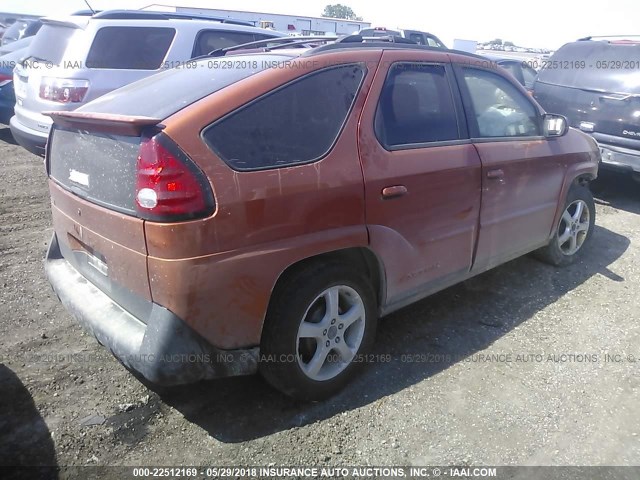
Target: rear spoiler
(64, 23)
(128, 125)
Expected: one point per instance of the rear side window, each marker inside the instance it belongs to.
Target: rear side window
(298, 123)
(500, 109)
(130, 48)
(210, 40)
(416, 106)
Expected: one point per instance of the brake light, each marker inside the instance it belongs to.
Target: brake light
(5, 79)
(63, 90)
(169, 186)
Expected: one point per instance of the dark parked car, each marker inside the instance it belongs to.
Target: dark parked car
(594, 82)
(7, 95)
(263, 217)
(20, 29)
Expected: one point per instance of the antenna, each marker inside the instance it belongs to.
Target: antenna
(90, 8)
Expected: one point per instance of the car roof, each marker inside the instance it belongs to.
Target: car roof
(138, 17)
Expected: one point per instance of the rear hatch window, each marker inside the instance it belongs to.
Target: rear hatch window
(98, 167)
(595, 65)
(50, 43)
(130, 48)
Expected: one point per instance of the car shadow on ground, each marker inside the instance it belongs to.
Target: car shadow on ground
(452, 325)
(26, 446)
(617, 190)
(5, 135)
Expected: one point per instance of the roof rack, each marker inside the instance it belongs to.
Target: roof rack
(286, 42)
(150, 15)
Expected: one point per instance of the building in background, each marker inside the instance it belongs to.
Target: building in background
(291, 24)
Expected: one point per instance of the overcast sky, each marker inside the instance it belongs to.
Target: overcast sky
(539, 23)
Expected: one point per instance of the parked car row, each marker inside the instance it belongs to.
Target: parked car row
(80, 58)
(512, 48)
(21, 28)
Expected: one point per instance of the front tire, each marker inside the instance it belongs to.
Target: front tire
(321, 322)
(574, 230)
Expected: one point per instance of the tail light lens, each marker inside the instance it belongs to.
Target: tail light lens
(63, 90)
(169, 186)
(5, 79)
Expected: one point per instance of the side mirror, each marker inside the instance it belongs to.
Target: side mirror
(554, 125)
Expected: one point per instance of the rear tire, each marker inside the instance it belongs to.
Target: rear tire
(321, 321)
(574, 230)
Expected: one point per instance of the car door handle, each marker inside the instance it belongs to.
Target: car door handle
(394, 191)
(495, 174)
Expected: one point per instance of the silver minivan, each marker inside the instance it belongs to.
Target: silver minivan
(74, 60)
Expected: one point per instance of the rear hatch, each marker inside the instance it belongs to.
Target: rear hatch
(596, 85)
(112, 168)
(93, 180)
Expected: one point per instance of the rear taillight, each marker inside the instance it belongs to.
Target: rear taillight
(63, 90)
(169, 186)
(5, 79)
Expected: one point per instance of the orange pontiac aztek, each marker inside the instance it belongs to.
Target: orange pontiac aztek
(259, 210)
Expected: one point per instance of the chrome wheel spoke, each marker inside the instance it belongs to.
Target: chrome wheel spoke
(346, 353)
(573, 243)
(332, 300)
(316, 363)
(311, 330)
(354, 314)
(577, 215)
(562, 239)
(566, 216)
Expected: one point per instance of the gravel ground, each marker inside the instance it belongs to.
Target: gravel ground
(509, 368)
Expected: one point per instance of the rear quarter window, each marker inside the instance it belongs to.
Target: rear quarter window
(130, 48)
(298, 123)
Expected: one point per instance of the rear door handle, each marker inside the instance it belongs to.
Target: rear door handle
(394, 191)
(495, 174)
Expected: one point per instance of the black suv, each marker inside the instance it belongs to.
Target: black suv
(594, 83)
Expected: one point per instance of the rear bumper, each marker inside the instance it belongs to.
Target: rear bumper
(164, 350)
(619, 158)
(32, 140)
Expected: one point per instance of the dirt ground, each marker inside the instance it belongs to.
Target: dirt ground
(524, 365)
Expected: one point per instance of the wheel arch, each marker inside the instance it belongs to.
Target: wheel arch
(361, 258)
